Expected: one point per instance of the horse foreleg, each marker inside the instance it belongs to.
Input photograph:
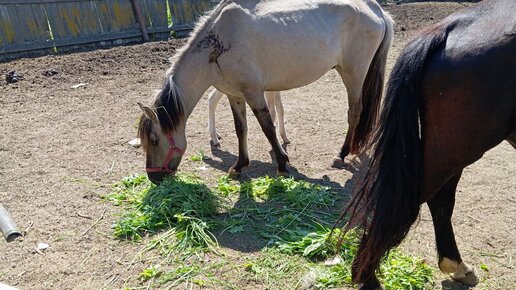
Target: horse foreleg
(260, 110)
(239, 116)
(213, 99)
(441, 207)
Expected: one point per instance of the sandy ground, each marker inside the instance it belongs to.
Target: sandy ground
(61, 148)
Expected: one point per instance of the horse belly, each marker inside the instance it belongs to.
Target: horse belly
(294, 58)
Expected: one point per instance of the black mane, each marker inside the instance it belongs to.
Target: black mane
(169, 108)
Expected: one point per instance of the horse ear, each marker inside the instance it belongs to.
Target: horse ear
(150, 113)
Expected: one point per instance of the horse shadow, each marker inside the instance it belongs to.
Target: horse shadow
(449, 284)
(249, 240)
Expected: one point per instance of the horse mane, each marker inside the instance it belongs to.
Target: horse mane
(169, 108)
(200, 26)
(169, 103)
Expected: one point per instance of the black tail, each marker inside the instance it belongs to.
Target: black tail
(372, 90)
(388, 201)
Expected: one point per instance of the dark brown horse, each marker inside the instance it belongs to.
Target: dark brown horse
(451, 97)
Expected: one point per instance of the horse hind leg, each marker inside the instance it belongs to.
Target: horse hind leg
(512, 139)
(441, 207)
(213, 99)
(353, 81)
(368, 279)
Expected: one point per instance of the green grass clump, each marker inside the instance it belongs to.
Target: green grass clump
(312, 245)
(226, 186)
(200, 156)
(401, 271)
(275, 270)
(130, 190)
(190, 235)
(289, 220)
(182, 201)
(397, 271)
(150, 273)
(297, 193)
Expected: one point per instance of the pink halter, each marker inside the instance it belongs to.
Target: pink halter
(173, 147)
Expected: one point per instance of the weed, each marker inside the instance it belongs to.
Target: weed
(150, 273)
(226, 186)
(197, 157)
(130, 190)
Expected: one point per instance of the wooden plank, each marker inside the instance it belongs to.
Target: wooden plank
(155, 13)
(15, 2)
(88, 18)
(73, 41)
(7, 34)
(22, 24)
(186, 12)
(116, 15)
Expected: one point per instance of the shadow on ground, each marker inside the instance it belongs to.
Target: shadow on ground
(449, 284)
(251, 234)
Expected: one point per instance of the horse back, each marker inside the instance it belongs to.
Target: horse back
(293, 43)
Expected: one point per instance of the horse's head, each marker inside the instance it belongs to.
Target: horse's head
(163, 146)
(162, 134)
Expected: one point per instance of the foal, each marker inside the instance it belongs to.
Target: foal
(274, 104)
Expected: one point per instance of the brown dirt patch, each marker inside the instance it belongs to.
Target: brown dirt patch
(60, 148)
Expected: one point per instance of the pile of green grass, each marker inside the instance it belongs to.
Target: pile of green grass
(176, 210)
(290, 218)
(299, 222)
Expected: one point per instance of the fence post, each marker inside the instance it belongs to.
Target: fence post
(141, 21)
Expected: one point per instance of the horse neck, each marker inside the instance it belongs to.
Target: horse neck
(193, 76)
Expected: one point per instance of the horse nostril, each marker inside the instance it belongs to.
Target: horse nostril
(156, 177)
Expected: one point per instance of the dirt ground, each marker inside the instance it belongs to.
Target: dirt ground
(61, 148)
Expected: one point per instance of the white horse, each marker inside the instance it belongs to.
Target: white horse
(247, 47)
(274, 104)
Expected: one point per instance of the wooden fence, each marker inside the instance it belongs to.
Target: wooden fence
(35, 27)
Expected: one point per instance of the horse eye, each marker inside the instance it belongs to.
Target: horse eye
(154, 142)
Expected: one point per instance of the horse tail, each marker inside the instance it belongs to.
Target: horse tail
(372, 89)
(387, 202)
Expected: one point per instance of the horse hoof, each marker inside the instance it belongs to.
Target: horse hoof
(365, 287)
(283, 173)
(469, 279)
(233, 173)
(215, 143)
(337, 162)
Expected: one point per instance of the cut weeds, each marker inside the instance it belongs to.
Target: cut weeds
(288, 220)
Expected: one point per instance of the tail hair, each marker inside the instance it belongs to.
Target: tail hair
(387, 202)
(372, 90)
